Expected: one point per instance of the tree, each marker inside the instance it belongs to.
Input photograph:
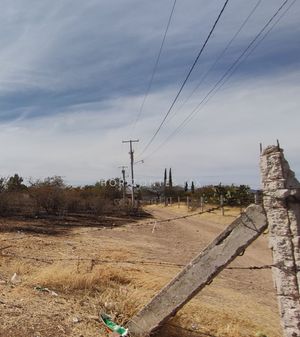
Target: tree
(244, 195)
(15, 183)
(170, 179)
(113, 189)
(157, 189)
(49, 194)
(3, 184)
(186, 187)
(220, 190)
(165, 186)
(193, 187)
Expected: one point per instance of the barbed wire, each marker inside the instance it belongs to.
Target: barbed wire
(95, 261)
(152, 222)
(267, 266)
(212, 209)
(89, 259)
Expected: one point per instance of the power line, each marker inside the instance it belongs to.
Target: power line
(219, 56)
(271, 28)
(228, 73)
(186, 78)
(155, 66)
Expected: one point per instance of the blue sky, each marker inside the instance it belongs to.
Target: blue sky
(74, 74)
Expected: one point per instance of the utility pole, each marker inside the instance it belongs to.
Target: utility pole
(131, 165)
(124, 181)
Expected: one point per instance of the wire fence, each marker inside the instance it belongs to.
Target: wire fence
(212, 209)
(153, 222)
(95, 261)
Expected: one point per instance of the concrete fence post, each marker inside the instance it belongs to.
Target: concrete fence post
(256, 198)
(222, 204)
(281, 200)
(202, 204)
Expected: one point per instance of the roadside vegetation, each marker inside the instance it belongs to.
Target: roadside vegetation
(52, 196)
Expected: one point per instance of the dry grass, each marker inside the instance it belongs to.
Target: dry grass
(69, 278)
(121, 291)
(207, 319)
(230, 213)
(116, 292)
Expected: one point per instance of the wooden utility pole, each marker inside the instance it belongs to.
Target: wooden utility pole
(124, 181)
(131, 152)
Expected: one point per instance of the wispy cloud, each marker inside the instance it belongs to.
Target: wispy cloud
(73, 75)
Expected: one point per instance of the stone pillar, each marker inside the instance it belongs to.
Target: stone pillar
(281, 200)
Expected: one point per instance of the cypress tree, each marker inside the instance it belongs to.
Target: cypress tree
(193, 187)
(186, 187)
(170, 179)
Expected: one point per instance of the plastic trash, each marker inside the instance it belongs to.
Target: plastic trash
(112, 326)
(15, 279)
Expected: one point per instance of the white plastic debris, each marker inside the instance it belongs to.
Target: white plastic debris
(76, 320)
(15, 279)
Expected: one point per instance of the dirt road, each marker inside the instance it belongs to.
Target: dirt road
(137, 260)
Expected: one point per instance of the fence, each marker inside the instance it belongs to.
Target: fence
(281, 213)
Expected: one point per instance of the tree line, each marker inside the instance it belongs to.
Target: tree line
(52, 196)
(233, 195)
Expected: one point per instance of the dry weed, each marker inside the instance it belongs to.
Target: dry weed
(116, 294)
(69, 278)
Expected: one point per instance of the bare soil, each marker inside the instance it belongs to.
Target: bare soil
(119, 268)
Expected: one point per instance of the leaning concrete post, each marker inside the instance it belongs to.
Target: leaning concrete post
(199, 272)
(281, 201)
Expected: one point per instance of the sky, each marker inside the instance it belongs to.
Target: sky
(74, 75)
